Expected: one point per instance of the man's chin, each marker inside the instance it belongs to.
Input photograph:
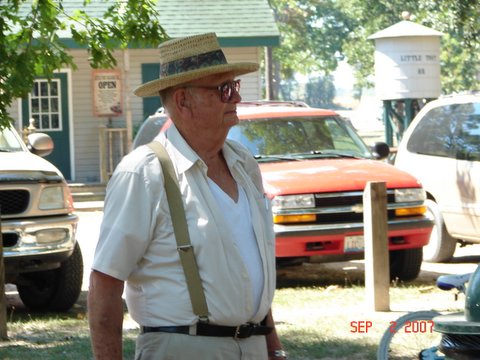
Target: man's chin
(230, 119)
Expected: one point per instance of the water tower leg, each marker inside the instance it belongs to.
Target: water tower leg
(387, 110)
(409, 113)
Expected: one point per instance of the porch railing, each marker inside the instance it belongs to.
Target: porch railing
(113, 146)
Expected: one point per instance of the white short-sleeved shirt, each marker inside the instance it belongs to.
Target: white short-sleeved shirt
(137, 242)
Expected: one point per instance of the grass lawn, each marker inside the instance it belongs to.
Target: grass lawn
(317, 318)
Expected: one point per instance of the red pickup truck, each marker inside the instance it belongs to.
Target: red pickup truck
(315, 168)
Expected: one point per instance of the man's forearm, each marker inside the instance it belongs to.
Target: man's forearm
(105, 315)
(273, 342)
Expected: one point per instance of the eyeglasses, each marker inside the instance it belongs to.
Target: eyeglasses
(227, 89)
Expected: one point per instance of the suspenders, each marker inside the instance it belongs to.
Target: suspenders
(184, 246)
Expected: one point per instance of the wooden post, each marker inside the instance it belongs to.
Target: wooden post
(377, 270)
(268, 74)
(3, 300)
(103, 155)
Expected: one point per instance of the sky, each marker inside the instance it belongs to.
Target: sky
(343, 77)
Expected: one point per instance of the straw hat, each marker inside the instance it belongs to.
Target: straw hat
(185, 59)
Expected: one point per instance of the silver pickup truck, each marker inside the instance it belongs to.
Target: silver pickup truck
(38, 225)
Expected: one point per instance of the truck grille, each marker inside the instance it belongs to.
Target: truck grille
(14, 201)
(345, 207)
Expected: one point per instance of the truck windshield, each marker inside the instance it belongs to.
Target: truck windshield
(9, 142)
(271, 139)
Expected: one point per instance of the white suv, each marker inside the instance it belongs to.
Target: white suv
(441, 148)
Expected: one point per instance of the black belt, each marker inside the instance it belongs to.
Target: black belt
(204, 329)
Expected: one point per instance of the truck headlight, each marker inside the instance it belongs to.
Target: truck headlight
(410, 195)
(52, 197)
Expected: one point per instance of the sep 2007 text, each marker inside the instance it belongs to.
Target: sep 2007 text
(411, 327)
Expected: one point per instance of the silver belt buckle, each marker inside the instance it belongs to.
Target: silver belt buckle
(239, 334)
(192, 330)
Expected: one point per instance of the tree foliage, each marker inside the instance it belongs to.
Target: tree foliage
(304, 26)
(320, 91)
(31, 42)
(316, 34)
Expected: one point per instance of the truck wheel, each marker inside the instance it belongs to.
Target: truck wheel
(405, 264)
(54, 290)
(441, 246)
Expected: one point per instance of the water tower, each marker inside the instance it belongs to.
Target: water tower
(407, 72)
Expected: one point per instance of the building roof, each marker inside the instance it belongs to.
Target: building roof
(405, 28)
(236, 22)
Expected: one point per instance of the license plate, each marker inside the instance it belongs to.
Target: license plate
(354, 243)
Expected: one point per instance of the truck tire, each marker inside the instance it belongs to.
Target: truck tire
(405, 264)
(54, 290)
(441, 246)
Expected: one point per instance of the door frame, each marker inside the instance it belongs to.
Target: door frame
(71, 138)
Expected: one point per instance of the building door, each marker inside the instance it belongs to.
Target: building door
(48, 105)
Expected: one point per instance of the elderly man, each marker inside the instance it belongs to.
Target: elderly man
(228, 219)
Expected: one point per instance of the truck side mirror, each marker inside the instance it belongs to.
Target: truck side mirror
(380, 150)
(40, 144)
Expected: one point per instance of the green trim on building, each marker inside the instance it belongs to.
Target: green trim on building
(224, 42)
(249, 41)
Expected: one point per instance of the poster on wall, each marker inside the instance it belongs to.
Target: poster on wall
(107, 93)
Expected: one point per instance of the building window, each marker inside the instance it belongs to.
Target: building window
(45, 105)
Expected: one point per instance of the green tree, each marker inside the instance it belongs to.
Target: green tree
(31, 44)
(304, 25)
(316, 34)
(459, 21)
(320, 92)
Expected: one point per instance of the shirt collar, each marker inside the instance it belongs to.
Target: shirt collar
(184, 156)
(231, 156)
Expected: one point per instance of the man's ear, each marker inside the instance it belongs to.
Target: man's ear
(180, 99)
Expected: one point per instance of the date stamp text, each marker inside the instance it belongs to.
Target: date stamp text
(410, 327)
